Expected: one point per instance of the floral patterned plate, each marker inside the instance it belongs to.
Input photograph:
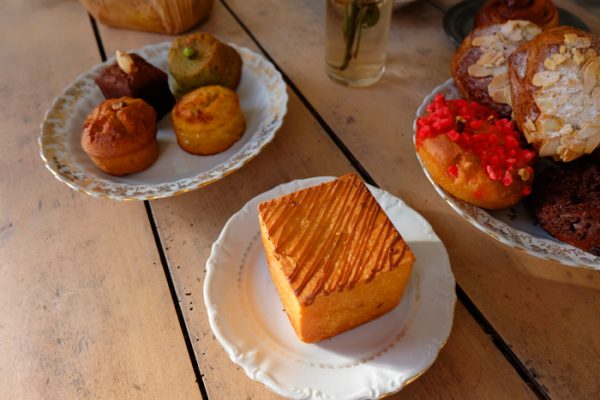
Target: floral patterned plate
(367, 362)
(512, 226)
(263, 99)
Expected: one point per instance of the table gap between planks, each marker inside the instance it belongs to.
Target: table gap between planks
(85, 308)
(187, 236)
(546, 322)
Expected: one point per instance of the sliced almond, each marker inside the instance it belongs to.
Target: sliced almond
(573, 144)
(570, 38)
(577, 56)
(516, 35)
(590, 78)
(566, 154)
(546, 104)
(499, 89)
(565, 131)
(547, 125)
(549, 64)
(530, 126)
(487, 40)
(125, 62)
(499, 60)
(545, 78)
(588, 131)
(486, 59)
(549, 147)
(558, 58)
(478, 71)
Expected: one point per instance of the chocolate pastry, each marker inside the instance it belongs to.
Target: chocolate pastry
(566, 202)
(132, 76)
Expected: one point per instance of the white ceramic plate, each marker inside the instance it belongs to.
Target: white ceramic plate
(512, 226)
(375, 359)
(263, 99)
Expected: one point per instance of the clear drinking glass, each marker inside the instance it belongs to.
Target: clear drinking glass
(356, 40)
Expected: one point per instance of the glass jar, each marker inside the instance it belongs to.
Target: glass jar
(356, 40)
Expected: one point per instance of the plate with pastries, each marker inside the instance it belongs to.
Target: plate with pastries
(328, 288)
(512, 141)
(164, 119)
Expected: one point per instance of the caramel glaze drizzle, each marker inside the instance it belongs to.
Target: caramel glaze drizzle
(335, 234)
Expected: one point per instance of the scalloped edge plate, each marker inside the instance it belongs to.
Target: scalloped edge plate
(367, 362)
(263, 99)
(513, 226)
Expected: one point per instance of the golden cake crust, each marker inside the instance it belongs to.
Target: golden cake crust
(335, 258)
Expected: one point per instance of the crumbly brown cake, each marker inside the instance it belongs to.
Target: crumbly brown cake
(566, 202)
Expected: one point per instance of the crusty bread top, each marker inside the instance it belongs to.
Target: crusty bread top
(555, 85)
(332, 236)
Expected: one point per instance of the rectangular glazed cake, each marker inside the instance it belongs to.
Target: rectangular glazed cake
(336, 259)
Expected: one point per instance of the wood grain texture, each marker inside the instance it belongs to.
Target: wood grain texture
(549, 323)
(468, 366)
(86, 311)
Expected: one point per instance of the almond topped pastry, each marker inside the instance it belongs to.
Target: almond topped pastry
(336, 259)
(480, 65)
(555, 85)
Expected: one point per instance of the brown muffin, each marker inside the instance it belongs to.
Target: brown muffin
(541, 12)
(208, 120)
(566, 202)
(479, 66)
(555, 87)
(120, 136)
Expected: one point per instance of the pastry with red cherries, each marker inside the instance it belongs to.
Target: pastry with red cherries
(474, 155)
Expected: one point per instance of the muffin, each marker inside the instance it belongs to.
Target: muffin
(566, 202)
(132, 76)
(208, 120)
(199, 59)
(555, 87)
(120, 136)
(480, 65)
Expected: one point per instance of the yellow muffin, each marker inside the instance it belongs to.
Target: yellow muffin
(208, 120)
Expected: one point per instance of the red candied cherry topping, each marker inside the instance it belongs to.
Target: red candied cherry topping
(478, 130)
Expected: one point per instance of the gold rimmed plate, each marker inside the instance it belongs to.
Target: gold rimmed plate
(263, 100)
(513, 226)
(367, 362)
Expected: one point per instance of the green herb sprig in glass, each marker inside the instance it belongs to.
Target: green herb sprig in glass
(357, 16)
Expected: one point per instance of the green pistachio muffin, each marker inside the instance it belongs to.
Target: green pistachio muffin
(198, 59)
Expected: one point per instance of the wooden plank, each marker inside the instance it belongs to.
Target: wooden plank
(190, 223)
(549, 324)
(86, 310)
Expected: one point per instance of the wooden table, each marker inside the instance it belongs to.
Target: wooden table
(103, 299)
